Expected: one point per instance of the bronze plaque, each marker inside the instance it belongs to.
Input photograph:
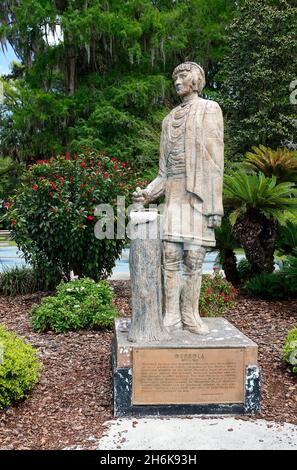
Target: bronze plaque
(188, 376)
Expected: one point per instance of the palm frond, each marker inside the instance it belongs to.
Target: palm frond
(287, 238)
(243, 192)
(224, 236)
(281, 163)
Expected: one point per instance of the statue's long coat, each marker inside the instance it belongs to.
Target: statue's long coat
(204, 153)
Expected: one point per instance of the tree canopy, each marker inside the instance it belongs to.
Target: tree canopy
(259, 72)
(98, 73)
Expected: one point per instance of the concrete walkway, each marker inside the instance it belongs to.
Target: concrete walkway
(197, 434)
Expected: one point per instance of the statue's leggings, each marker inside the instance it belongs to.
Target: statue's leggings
(182, 274)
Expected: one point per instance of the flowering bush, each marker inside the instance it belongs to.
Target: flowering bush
(78, 304)
(52, 215)
(217, 295)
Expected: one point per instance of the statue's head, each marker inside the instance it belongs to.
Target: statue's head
(188, 77)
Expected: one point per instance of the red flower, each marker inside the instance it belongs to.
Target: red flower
(7, 205)
(71, 178)
(51, 194)
(53, 186)
(123, 165)
(90, 217)
(41, 162)
(68, 155)
(81, 186)
(105, 175)
(13, 222)
(35, 187)
(82, 164)
(115, 167)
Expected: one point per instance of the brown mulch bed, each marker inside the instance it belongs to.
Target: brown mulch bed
(74, 396)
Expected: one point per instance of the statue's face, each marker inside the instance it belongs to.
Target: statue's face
(183, 83)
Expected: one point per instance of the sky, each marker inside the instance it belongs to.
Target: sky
(5, 59)
(7, 56)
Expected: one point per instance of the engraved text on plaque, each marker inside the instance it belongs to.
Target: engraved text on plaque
(188, 376)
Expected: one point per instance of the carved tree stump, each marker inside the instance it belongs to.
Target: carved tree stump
(146, 281)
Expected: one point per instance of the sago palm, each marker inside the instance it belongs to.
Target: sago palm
(287, 238)
(281, 163)
(226, 244)
(258, 204)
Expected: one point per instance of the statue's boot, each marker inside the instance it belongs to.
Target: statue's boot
(191, 292)
(172, 287)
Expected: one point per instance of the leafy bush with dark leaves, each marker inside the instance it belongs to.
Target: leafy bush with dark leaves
(52, 215)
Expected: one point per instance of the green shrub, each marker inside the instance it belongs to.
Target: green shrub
(78, 304)
(217, 295)
(52, 215)
(290, 266)
(290, 349)
(276, 285)
(19, 368)
(287, 237)
(244, 269)
(26, 280)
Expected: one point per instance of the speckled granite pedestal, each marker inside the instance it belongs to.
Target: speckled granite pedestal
(188, 375)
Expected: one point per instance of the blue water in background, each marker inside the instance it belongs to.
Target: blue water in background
(122, 264)
(11, 257)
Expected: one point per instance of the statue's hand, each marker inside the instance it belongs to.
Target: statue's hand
(214, 221)
(139, 196)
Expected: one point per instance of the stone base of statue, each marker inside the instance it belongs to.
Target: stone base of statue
(189, 374)
(176, 373)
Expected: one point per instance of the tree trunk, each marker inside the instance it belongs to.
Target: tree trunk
(257, 236)
(230, 267)
(71, 76)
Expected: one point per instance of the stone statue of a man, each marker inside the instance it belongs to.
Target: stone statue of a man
(191, 176)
